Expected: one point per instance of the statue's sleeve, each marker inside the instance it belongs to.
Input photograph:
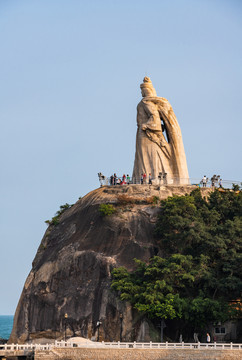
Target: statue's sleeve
(153, 118)
(153, 127)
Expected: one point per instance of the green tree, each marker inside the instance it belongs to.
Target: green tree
(193, 226)
(201, 271)
(153, 288)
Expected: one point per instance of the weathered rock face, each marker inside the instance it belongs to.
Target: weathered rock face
(71, 272)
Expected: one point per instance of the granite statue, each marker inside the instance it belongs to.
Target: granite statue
(159, 147)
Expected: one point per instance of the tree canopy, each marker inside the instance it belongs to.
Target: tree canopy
(199, 275)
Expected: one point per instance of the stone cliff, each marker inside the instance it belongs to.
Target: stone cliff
(71, 272)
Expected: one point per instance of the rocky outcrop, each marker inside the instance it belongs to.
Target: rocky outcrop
(71, 272)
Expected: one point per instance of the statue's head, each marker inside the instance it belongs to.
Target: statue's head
(147, 88)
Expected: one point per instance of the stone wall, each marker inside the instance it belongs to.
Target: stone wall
(138, 354)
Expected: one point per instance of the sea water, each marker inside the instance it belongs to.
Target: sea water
(6, 325)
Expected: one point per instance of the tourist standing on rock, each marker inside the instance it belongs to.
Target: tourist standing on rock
(204, 181)
(144, 178)
(111, 180)
(101, 179)
(115, 179)
(213, 181)
(141, 179)
(128, 179)
(150, 179)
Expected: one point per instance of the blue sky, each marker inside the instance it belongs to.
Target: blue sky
(70, 73)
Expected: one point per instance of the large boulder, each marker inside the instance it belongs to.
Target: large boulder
(71, 272)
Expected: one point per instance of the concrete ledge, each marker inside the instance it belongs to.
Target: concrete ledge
(137, 354)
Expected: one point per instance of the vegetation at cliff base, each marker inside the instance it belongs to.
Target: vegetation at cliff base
(199, 276)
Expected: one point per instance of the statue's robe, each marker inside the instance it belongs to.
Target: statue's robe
(156, 153)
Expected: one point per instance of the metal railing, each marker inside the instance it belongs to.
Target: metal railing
(210, 183)
(121, 345)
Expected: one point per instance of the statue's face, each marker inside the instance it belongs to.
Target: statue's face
(146, 92)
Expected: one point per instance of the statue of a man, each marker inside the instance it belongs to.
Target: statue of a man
(156, 154)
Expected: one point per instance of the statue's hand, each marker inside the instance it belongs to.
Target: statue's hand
(144, 127)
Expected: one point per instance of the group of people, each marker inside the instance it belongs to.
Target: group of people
(114, 180)
(215, 179)
(125, 179)
(143, 179)
(208, 338)
(195, 337)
